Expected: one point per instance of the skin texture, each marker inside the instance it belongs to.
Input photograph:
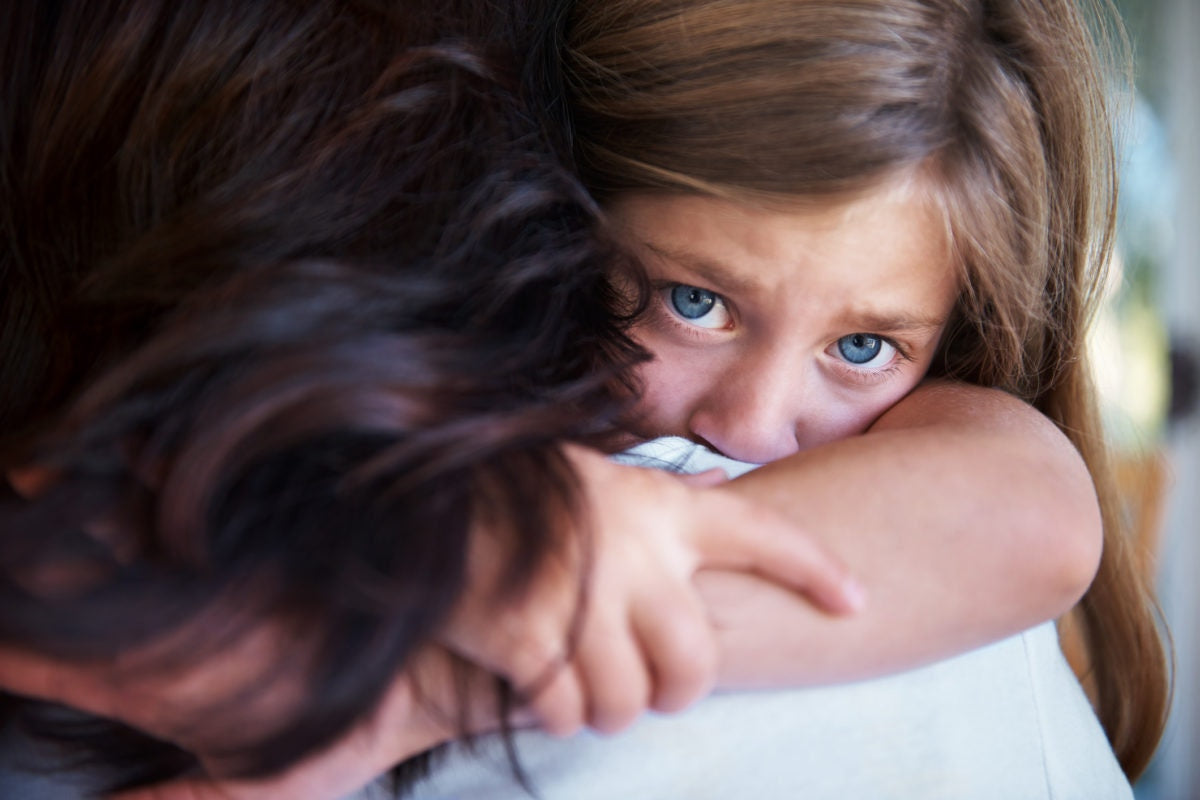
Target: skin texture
(1007, 535)
(777, 331)
(643, 639)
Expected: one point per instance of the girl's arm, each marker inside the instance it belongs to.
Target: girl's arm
(634, 634)
(643, 638)
(966, 514)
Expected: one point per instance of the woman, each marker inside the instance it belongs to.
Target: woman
(251, 251)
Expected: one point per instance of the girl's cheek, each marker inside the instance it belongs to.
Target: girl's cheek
(667, 391)
(850, 415)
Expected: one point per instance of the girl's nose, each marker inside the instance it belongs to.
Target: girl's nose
(752, 413)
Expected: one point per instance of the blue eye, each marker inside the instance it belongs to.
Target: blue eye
(861, 348)
(696, 306)
(691, 302)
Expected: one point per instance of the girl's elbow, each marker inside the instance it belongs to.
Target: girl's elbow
(1076, 544)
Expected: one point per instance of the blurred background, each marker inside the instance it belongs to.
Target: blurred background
(1147, 347)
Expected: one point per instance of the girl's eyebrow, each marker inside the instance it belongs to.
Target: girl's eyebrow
(719, 275)
(872, 321)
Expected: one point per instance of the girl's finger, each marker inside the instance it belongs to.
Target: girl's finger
(741, 536)
(679, 644)
(556, 698)
(614, 673)
(536, 664)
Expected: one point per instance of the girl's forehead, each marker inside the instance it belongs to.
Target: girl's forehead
(889, 241)
(698, 220)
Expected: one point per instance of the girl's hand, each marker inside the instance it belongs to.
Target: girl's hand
(643, 638)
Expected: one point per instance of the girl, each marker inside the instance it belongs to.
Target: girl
(735, 145)
(999, 108)
(797, 291)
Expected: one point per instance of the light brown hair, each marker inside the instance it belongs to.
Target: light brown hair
(1003, 103)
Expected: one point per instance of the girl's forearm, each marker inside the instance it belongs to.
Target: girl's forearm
(966, 515)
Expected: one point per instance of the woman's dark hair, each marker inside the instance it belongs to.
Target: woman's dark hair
(288, 291)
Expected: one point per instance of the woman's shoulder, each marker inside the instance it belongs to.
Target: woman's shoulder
(1006, 720)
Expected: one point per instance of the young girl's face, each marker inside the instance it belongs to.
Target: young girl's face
(773, 332)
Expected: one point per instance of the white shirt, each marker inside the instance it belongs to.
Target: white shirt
(1008, 721)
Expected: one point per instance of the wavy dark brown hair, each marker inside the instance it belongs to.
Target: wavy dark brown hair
(287, 289)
